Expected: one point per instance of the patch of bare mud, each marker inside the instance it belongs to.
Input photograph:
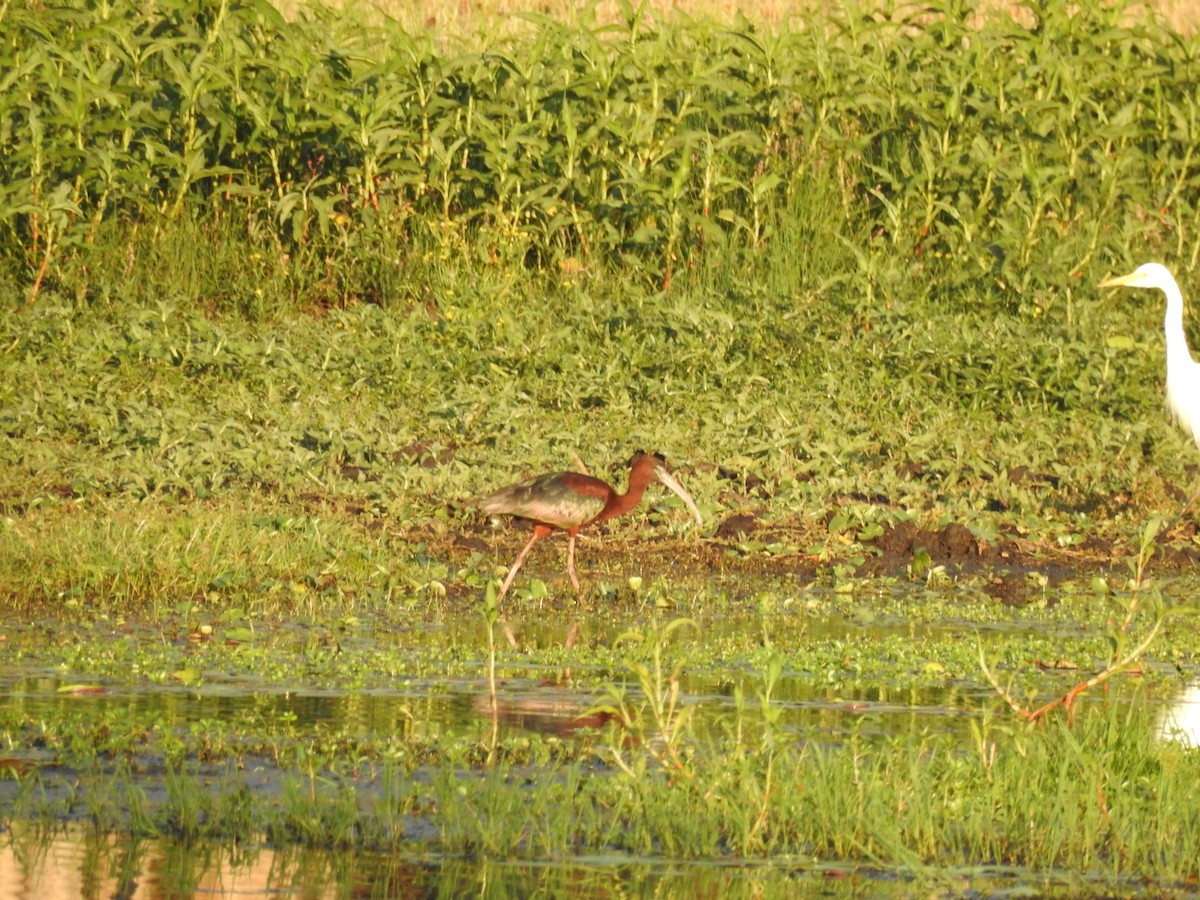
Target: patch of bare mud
(1014, 570)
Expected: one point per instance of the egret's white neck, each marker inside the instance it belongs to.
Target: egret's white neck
(1177, 348)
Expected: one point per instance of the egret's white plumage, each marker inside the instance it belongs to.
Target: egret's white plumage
(1183, 373)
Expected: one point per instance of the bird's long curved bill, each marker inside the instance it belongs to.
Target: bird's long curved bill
(669, 480)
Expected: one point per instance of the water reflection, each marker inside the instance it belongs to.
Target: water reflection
(1180, 721)
(434, 709)
(80, 864)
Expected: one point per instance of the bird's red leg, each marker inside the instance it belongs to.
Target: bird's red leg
(512, 573)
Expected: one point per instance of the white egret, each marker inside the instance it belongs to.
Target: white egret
(1183, 373)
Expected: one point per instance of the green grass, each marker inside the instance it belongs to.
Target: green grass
(149, 453)
(213, 735)
(1102, 797)
(865, 300)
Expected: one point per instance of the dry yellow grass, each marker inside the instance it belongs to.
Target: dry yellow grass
(462, 18)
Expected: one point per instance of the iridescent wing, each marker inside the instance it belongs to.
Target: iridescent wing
(562, 499)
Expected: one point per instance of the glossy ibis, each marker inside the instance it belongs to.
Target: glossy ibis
(569, 501)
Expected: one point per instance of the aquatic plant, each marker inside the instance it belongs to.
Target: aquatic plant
(1126, 649)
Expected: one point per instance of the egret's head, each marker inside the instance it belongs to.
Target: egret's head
(1150, 275)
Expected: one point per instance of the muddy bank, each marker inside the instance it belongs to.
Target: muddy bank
(1014, 570)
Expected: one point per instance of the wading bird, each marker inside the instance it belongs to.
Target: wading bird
(1183, 374)
(569, 501)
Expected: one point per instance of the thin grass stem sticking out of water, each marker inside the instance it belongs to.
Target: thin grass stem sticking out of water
(1143, 596)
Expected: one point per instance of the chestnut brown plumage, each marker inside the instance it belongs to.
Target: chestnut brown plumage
(569, 501)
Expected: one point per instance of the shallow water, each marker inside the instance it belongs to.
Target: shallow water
(438, 708)
(426, 702)
(77, 863)
(1179, 719)
(535, 695)
(822, 702)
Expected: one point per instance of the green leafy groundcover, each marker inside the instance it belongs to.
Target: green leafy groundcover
(878, 237)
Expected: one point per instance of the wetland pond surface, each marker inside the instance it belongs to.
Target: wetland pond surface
(80, 863)
(100, 719)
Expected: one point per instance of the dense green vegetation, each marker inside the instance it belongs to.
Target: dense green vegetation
(877, 236)
(282, 295)
(1001, 161)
